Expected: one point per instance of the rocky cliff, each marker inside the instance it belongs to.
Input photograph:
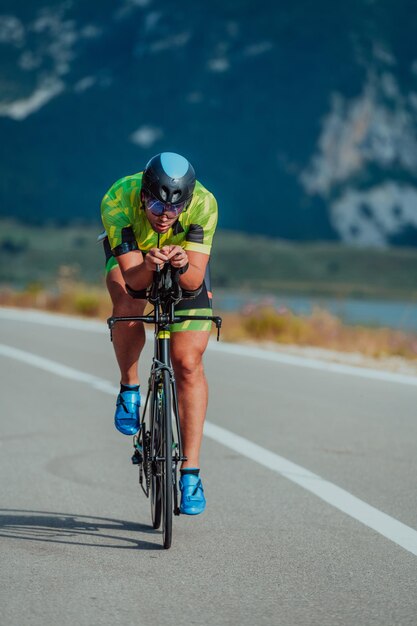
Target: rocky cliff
(299, 116)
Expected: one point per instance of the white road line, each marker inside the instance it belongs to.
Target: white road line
(315, 364)
(340, 499)
(337, 497)
(52, 319)
(66, 321)
(57, 368)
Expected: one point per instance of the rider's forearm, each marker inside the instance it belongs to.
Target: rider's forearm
(192, 279)
(138, 277)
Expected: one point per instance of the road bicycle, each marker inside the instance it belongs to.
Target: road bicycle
(158, 447)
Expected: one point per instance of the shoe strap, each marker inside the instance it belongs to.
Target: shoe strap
(198, 486)
(122, 402)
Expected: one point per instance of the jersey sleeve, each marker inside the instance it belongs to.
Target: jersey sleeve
(203, 224)
(115, 215)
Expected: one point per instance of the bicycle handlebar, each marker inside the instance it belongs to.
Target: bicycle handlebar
(165, 320)
(165, 289)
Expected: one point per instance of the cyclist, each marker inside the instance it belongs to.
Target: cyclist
(158, 216)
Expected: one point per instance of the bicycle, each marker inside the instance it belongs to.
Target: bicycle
(158, 446)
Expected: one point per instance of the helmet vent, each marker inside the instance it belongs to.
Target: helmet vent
(169, 177)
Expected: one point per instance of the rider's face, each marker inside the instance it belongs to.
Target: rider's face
(161, 223)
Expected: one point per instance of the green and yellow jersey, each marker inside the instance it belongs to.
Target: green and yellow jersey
(122, 212)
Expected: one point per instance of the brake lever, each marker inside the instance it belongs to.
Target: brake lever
(218, 322)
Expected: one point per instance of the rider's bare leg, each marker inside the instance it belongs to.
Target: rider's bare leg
(128, 337)
(187, 349)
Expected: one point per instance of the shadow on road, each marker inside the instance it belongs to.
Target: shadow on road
(73, 529)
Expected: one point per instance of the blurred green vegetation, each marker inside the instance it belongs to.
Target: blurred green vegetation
(45, 255)
(326, 269)
(61, 269)
(41, 257)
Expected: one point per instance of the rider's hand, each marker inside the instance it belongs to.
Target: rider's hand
(177, 256)
(155, 257)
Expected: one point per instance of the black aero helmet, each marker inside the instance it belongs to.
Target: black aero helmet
(169, 177)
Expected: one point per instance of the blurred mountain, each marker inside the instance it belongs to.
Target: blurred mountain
(299, 116)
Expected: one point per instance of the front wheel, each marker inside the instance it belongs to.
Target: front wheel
(167, 465)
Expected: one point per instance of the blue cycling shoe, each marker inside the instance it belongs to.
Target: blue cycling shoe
(126, 418)
(193, 501)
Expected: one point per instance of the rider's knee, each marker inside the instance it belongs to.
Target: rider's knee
(125, 305)
(188, 365)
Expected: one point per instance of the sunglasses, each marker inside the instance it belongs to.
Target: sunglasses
(157, 207)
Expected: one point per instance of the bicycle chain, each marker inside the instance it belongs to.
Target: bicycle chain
(147, 461)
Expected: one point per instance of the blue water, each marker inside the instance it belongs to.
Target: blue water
(398, 314)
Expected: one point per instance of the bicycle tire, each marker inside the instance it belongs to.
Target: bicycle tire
(167, 465)
(156, 451)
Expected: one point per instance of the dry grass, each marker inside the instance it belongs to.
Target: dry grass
(263, 323)
(81, 300)
(320, 329)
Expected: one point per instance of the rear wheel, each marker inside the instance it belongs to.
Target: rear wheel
(156, 451)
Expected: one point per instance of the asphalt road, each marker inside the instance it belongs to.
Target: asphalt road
(311, 514)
